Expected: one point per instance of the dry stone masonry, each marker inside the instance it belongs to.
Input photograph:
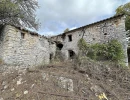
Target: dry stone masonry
(99, 32)
(22, 47)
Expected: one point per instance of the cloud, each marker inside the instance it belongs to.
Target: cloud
(57, 15)
(73, 28)
(49, 33)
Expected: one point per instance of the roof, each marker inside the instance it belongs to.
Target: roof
(113, 17)
(26, 30)
(29, 31)
(22, 29)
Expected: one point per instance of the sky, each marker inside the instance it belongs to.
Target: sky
(57, 15)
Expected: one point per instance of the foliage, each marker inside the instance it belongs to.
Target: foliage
(66, 30)
(18, 12)
(58, 56)
(112, 51)
(83, 46)
(115, 50)
(125, 9)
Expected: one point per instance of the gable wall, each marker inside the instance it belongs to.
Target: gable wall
(27, 51)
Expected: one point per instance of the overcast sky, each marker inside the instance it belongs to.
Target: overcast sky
(57, 15)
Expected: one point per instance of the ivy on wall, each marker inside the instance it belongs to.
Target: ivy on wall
(111, 51)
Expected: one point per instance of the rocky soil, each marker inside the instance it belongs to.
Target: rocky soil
(66, 81)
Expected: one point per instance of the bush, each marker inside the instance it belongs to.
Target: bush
(83, 46)
(115, 50)
(111, 51)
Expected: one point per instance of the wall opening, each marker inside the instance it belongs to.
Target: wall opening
(0, 35)
(1, 32)
(128, 54)
(59, 45)
(93, 38)
(71, 54)
(22, 35)
(105, 33)
(51, 56)
(69, 38)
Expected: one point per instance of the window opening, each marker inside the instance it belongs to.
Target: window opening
(70, 38)
(22, 35)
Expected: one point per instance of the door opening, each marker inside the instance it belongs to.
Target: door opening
(71, 54)
(128, 54)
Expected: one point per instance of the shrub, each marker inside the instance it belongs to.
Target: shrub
(115, 50)
(83, 46)
(112, 51)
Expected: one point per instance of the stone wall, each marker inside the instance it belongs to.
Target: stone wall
(22, 48)
(99, 32)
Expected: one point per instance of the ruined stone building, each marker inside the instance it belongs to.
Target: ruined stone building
(98, 32)
(22, 47)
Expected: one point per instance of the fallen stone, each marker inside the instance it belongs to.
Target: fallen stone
(26, 92)
(6, 86)
(19, 81)
(12, 89)
(1, 99)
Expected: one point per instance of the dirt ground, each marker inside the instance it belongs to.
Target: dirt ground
(91, 81)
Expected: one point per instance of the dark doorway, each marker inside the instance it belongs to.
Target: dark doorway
(59, 45)
(128, 54)
(71, 54)
(51, 56)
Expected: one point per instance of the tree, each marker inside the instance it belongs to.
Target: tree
(66, 30)
(19, 13)
(125, 9)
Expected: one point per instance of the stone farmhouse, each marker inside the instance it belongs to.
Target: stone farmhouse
(98, 32)
(19, 46)
(22, 47)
